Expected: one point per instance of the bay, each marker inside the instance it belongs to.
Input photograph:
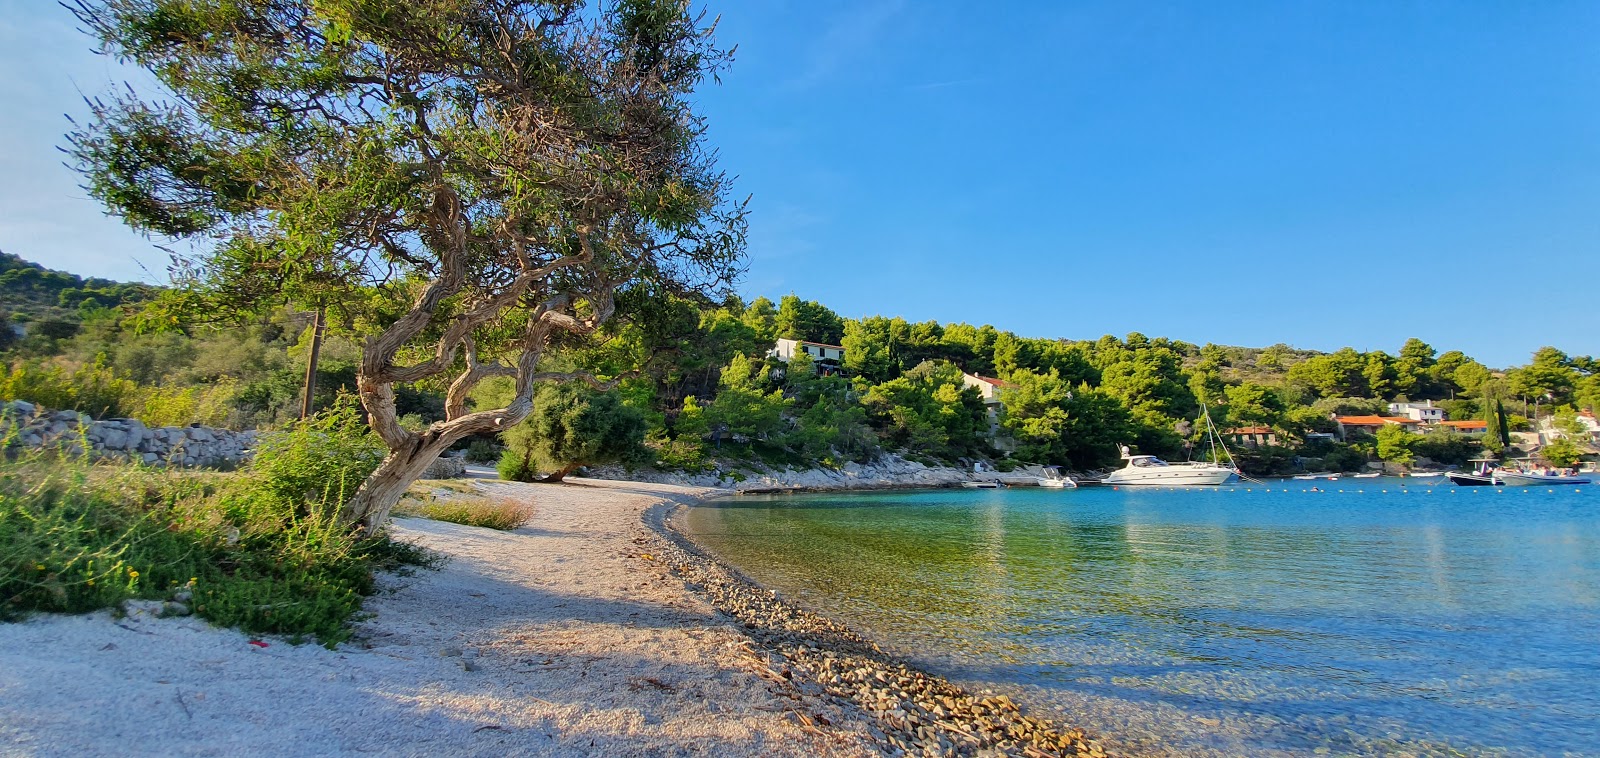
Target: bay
(1374, 617)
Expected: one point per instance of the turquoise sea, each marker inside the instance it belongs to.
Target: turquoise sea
(1268, 619)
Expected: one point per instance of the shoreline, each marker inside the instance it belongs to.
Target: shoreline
(918, 712)
(593, 629)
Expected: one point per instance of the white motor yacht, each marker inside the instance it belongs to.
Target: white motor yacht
(1148, 470)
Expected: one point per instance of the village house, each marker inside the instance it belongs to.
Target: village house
(825, 359)
(1426, 412)
(1469, 426)
(1252, 436)
(989, 389)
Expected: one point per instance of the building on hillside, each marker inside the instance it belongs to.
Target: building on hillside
(825, 359)
(1359, 426)
(1469, 426)
(1252, 436)
(989, 389)
(1591, 429)
(1426, 412)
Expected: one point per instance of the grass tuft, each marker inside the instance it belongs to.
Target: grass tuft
(260, 550)
(463, 506)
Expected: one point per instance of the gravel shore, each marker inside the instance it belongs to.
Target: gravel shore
(593, 630)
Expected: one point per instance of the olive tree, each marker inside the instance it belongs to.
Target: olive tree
(467, 181)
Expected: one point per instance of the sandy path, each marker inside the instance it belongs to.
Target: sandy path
(557, 639)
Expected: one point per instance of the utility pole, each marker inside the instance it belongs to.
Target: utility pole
(317, 327)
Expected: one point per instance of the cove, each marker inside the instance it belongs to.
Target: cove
(1260, 620)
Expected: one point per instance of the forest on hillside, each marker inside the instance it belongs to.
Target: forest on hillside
(696, 384)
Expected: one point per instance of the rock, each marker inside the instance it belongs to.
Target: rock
(141, 609)
(182, 596)
(175, 609)
(450, 652)
(445, 468)
(21, 409)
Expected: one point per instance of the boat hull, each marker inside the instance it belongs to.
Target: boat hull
(1536, 480)
(1471, 480)
(1057, 484)
(1169, 476)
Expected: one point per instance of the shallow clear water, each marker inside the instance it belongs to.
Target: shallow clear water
(1222, 622)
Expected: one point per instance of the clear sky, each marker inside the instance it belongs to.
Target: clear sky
(1321, 174)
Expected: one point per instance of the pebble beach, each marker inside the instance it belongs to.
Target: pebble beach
(593, 630)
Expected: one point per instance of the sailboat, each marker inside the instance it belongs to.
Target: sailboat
(1149, 470)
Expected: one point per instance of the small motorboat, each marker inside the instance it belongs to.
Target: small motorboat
(1536, 478)
(1331, 477)
(1054, 479)
(982, 485)
(1481, 475)
(1368, 475)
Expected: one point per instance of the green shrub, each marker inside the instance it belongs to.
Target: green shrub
(313, 466)
(260, 550)
(93, 388)
(681, 454)
(483, 451)
(211, 405)
(517, 466)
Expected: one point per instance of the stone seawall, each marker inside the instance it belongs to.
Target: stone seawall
(25, 425)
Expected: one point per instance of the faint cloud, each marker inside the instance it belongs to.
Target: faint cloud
(781, 232)
(943, 85)
(846, 37)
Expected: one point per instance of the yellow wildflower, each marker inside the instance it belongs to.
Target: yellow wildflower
(39, 566)
(133, 574)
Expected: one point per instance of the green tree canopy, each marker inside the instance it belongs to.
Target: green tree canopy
(1395, 443)
(572, 426)
(808, 320)
(466, 182)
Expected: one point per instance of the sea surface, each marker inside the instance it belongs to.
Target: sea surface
(1377, 617)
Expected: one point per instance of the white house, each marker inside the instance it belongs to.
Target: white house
(1426, 412)
(825, 358)
(989, 388)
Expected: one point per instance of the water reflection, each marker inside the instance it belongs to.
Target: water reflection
(1218, 622)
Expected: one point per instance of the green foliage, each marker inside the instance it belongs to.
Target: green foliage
(681, 454)
(482, 451)
(831, 421)
(1561, 452)
(315, 465)
(1054, 423)
(256, 552)
(572, 426)
(1251, 404)
(807, 320)
(517, 463)
(1445, 447)
(93, 388)
(1338, 374)
(1395, 444)
(743, 408)
(931, 410)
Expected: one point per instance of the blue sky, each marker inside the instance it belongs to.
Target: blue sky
(1321, 174)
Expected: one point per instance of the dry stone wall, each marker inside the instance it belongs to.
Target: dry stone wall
(26, 425)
